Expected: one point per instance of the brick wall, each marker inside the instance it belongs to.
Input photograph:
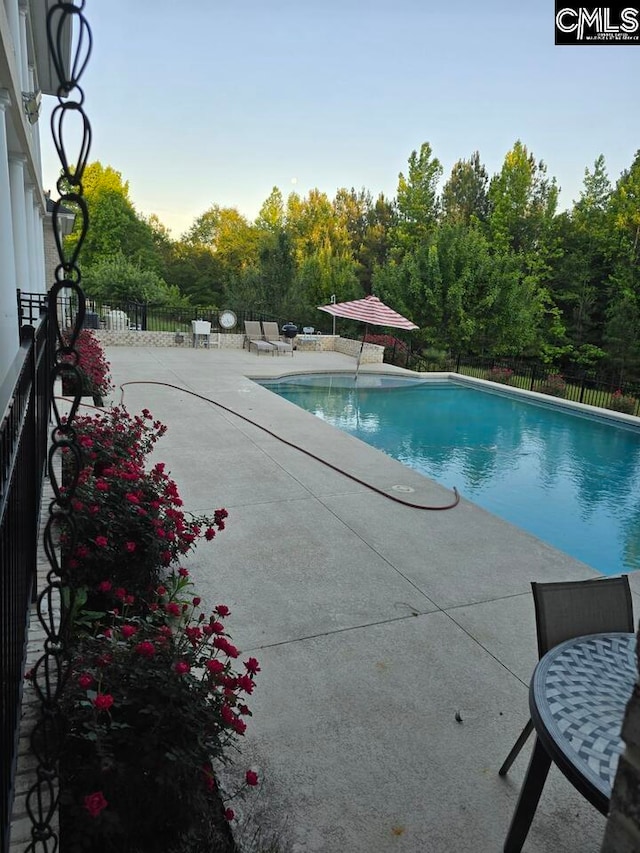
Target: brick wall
(51, 259)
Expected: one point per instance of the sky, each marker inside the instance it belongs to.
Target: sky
(210, 102)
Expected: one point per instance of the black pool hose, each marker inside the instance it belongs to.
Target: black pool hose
(384, 494)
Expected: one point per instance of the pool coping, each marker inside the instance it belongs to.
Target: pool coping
(536, 397)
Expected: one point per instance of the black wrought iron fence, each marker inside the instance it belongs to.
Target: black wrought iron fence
(132, 316)
(24, 409)
(582, 386)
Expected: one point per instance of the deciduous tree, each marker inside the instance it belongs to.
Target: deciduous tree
(464, 196)
(417, 199)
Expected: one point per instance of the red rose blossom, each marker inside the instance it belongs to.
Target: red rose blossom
(252, 666)
(103, 701)
(245, 683)
(239, 726)
(101, 541)
(181, 667)
(227, 714)
(85, 680)
(146, 649)
(229, 814)
(251, 777)
(95, 803)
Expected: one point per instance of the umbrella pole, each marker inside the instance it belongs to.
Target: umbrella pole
(366, 327)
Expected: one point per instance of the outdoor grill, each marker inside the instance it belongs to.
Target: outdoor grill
(289, 330)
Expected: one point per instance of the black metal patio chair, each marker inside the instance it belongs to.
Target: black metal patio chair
(570, 609)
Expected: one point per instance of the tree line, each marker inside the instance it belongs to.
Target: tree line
(484, 265)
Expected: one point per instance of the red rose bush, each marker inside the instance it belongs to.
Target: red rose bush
(93, 369)
(158, 694)
(129, 523)
(154, 701)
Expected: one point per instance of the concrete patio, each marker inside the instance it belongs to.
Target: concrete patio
(373, 623)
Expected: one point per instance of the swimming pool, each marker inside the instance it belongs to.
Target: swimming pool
(566, 477)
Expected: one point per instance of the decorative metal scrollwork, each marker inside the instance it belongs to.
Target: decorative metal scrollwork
(53, 607)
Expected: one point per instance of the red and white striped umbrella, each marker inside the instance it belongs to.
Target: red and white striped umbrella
(370, 311)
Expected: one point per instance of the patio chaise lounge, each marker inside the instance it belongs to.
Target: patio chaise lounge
(272, 336)
(253, 338)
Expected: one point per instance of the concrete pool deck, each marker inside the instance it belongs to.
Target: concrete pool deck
(374, 623)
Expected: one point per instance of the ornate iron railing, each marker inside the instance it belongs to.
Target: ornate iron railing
(24, 409)
(30, 306)
(51, 670)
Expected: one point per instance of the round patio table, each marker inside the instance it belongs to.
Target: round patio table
(577, 697)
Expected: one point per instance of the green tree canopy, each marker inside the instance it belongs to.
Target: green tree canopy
(117, 277)
(464, 196)
(115, 226)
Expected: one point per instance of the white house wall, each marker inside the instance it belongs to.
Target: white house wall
(23, 52)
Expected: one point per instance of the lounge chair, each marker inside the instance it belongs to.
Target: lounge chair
(272, 335)
(253, 338)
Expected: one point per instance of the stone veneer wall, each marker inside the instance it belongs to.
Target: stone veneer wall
(316, 343)
(133, 338)
(371, 354)
(622, 833)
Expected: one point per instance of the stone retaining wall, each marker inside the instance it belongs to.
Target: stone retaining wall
(316, 343)
(184, 340)
(371, 354)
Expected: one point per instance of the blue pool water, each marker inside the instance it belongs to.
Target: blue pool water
(569, 479)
